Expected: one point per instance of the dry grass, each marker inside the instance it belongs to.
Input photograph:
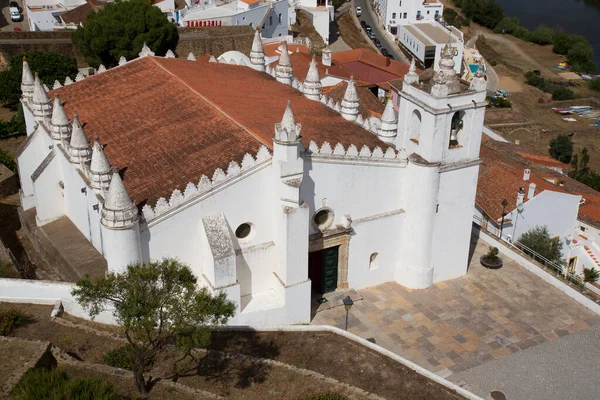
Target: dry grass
(351, 33)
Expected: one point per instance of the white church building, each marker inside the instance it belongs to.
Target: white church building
(265, 188)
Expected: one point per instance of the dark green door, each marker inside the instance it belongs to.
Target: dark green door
(330, 267)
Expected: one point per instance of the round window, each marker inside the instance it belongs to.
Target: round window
(243, 231)
(323, 218)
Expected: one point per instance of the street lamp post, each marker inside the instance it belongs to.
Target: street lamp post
(504, 204)
(347, 305)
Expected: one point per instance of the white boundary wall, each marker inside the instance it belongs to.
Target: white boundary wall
(48, 292)
(531, 267)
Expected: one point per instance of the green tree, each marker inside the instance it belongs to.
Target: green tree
(121, 29)
(579, 57)
(542, 35)
(561, 148)
(538, 240)
(156, 304)
(594, 84)
(49, 65)
(508, 25)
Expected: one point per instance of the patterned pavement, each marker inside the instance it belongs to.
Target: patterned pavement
(459, 324)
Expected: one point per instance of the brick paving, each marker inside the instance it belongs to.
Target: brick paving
(459, 324)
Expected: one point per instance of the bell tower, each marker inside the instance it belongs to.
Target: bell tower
(440, 126)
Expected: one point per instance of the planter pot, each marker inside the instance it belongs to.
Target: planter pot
(491, 265)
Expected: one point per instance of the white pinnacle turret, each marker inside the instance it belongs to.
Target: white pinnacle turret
(389, 123)
(288, 130)
(100, 169)
(445, 80)
(312, 84)
(119, 210)
(79, 147)
(412, 76)
(257, 54)
(326, 56)
(283, 70)
(27, 82)
(60, 126)
(40, 102)
(350, 102)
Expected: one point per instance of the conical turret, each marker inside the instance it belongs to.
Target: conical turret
(312, 83)
(389, 122)
(100, 169)
(119, 210)
(350, 102)
(283, 70)
(79, 147)
(412, 76)
(257, 54)
(40, 103)
(60, 126)
(27, 82)
(288, 130)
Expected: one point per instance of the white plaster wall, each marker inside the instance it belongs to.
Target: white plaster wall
(260, 277)
(382, 235)
(320, 20)
(410, 7)
(558, 211)
(412, 43)
(30, 158)
(179, 234)
(42, 20)
(48, 193)
(589, 231)
(358, 190)
(330, 81)
(453, 223)
(30, 122)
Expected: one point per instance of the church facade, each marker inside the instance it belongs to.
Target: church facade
(265, 188)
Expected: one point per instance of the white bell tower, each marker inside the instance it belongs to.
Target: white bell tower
(440, 126)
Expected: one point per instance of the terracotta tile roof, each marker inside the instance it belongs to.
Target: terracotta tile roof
(589, 213)
(369, 103)
(272, 49)
(371, 67)
(544, 160)
(77, 15)
(167, 122)
(301, 63)
(250, 1)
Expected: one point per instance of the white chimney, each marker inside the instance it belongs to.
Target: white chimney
(526, 174)
(520, 196)
(531, 191)
(326, 57)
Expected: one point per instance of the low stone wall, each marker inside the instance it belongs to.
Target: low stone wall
(9, 181)
(18, 357)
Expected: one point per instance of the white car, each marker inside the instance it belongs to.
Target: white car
(358, 11)
(15, 14)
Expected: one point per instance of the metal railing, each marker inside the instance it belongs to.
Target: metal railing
(558, 269)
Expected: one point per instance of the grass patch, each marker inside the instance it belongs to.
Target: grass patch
(11, 320)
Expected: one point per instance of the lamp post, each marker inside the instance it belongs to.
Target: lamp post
(347, 305)
(504, 204)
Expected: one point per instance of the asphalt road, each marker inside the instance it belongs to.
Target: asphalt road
(368, 15)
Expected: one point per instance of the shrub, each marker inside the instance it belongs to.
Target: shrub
(594, 84)
(558, 92)
(7, 161)
(591, 274)
(40, 384)
(325, 396)
(10, 320)
(499, 102)
(508, 25)
(122, 357)
(522, 33)
(542, 35)
(561, 148)
(16, 125)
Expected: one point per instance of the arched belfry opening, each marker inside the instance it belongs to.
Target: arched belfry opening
(415, 126)
(456, 127)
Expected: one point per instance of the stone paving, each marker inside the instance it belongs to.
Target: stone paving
(459, 324)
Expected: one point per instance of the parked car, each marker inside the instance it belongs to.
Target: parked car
(390, 56)
(384, 51)
(15, 14)
(364, 24)
(368, 28)
(358, 11)
(15, 5)
(371, 35)
(377, 43)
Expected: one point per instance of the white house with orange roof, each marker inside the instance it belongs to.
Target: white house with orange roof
(270, 191)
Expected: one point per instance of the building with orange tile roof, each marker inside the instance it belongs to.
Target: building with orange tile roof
(256, 181)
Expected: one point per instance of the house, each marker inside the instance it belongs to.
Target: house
(270, 17)
(321, 14)
(419, 27)
(537, 193)
(268, 190)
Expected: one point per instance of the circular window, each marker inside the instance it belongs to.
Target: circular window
(323, 218)
(243, 231)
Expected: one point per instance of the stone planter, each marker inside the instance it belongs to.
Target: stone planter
(491, 265)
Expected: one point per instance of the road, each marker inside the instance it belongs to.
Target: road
(368, 15)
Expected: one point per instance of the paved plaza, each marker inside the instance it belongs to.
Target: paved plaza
(459, 324)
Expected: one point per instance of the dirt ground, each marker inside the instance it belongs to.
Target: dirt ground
(224, 371)
(352, 34)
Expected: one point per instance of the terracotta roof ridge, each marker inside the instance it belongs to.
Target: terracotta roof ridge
(266, 143)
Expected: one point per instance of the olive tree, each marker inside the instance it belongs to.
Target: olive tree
(539, 241)
(157, 304)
